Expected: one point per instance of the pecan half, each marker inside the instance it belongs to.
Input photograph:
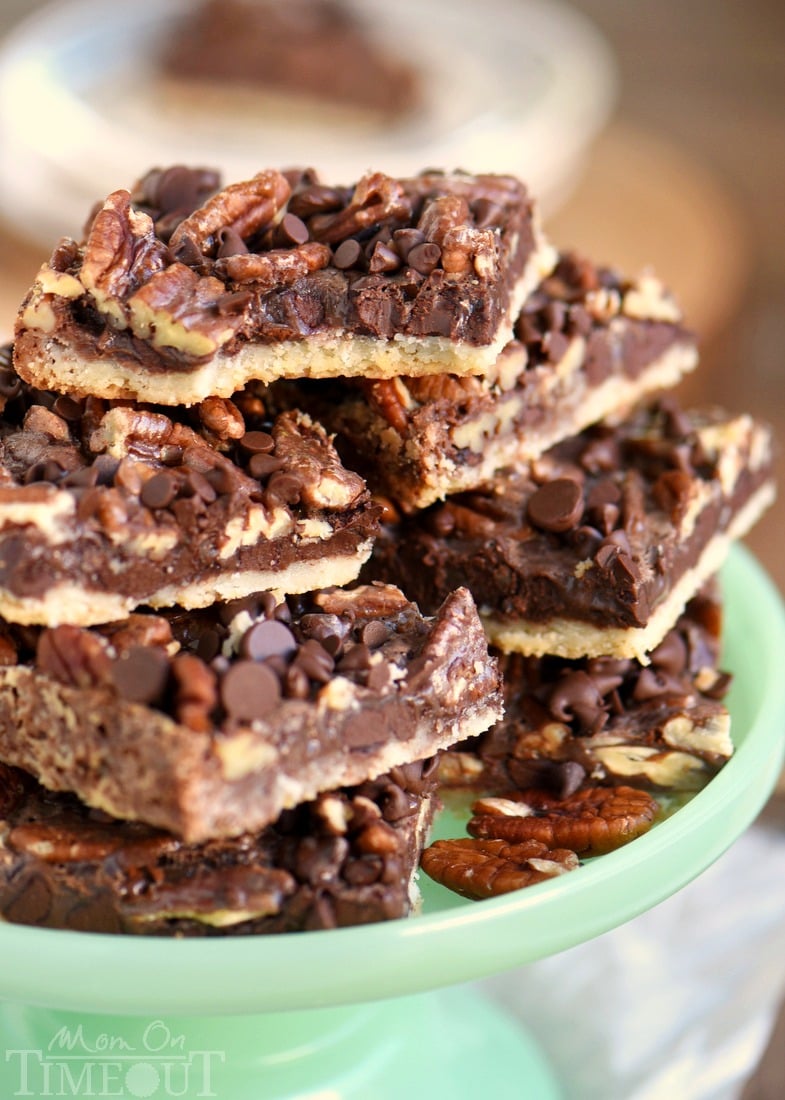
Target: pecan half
(590, 821)
(121, 253)
(73, 656)
(244, 207)
(480, 869)
(177, 308)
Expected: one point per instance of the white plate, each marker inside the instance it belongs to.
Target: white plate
(517, 86)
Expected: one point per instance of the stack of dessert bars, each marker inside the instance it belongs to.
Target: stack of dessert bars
(278, 459)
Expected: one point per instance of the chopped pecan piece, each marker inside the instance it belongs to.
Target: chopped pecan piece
(377, 199)
(480, 869)
(590, 821)
(278, 267)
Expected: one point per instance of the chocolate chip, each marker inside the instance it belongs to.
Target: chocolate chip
(230, 243)
(374, 633)
(222, 480)
(284, 487)
(407, 239)
(140, 675)
(296, 683)
(261, 466)
(84, 478)
(649, 685)
(266, 638)
(315, 661)
(290, 230)
(257, 442)
(249, 690)
(556, 506)
(425, 257)
(671, 654)
(197, 484)
(347, 254)
(171, 455)
(68, 408)
(575, 696)
(383, 259)
(357, 658)
(159, 491)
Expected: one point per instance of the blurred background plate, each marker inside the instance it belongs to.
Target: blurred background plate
(518, 86)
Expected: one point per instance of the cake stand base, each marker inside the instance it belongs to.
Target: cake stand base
(452, 1043)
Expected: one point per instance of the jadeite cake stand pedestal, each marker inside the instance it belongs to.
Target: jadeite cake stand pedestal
(365, 1013)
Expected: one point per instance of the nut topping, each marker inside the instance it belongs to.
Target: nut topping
(480, 869)
(244, 207)
(590, 821)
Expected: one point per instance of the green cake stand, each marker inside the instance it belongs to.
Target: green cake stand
(377, 1012)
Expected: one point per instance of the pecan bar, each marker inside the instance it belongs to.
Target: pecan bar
(182, 291)
(212, 730)
(106, 508)
(348, 858)
(608, 721)
(587, 343)
(316, 51)
(595, 548)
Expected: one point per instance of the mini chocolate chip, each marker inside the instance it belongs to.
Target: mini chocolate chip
(249, 690)
(383, 259)
(671, 654)
(649, 685)
(555, 345)
(585, 540)
(405, 240)
(284, 487)
(282, 613)
(379, 676)
(374, 633)
(10, 383)
(327, 629)
(290, 230)
(296, 683)
(86, 477)
(68, 408)
(222, 480)
(608, 672)
(604, 517)
(140, 675)
(230, 243)
(159, 491)
(357, 658)
(315, 661)
(347, 254)
(208, 645)
(575, 695)
(611, 547)
(200, 485)
(187, 252)
(266, 638)
(556, 506)
(425, 257)
(171, 455)
(278, 664)
(257, 442)
(262, 466)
